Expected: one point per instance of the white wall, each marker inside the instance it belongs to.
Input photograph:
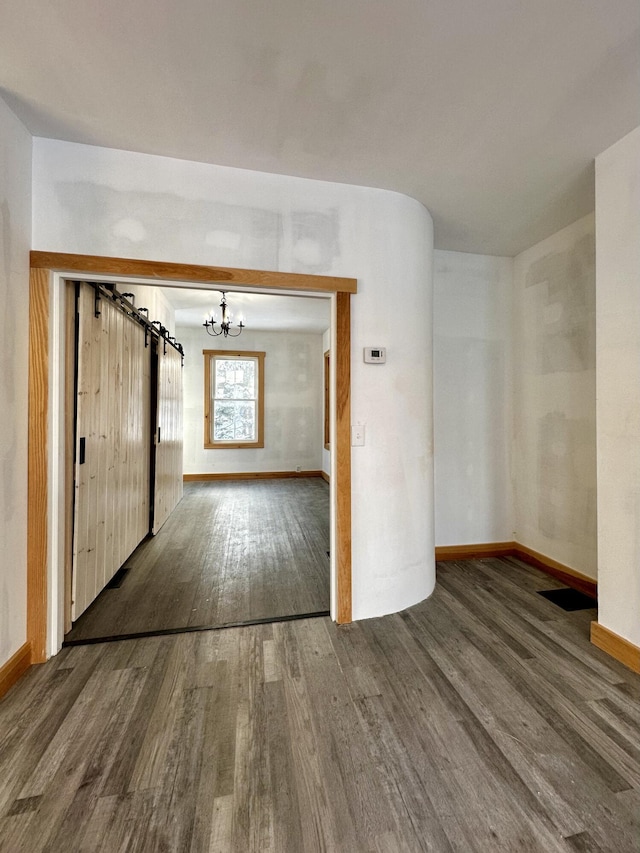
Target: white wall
(293, 403)
(472, 398)
(618, 382)
(15, 242)
(554, 397)
(106, 202)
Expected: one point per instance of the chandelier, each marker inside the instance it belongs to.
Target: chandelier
(224, 326)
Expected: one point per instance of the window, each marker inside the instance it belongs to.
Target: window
(233, 399)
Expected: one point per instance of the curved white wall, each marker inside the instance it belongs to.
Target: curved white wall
(105, 202)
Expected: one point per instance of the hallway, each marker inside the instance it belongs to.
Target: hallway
(232, 551)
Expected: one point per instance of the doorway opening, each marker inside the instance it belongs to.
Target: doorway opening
(46, 544)
(249, 541)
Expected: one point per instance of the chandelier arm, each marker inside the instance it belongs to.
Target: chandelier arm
(211, 330)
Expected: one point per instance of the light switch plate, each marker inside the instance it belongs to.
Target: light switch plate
(357, 435)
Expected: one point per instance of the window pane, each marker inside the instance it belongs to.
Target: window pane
(234, 420)
(246, 421)
(223, 421)
(235, 379)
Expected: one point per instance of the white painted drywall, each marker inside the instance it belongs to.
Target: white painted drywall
(293, 403)
(472, 398)
(618, 383)
(110, 202)
(554, 397)
(15, 242)
(488, 111)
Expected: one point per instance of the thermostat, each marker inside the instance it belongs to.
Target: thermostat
(375, 355)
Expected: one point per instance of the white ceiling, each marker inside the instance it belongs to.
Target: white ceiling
(260, 311)
(490, 112)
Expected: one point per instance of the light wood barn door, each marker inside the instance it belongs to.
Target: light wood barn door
(168, 438)
(111, 498)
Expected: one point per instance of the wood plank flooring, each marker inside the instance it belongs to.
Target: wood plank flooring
(479, 720)
(231, 551)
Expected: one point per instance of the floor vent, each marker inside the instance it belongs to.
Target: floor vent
(569, 599)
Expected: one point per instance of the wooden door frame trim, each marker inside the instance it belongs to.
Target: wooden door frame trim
(43, 266)
(38, 470)
(166, 271)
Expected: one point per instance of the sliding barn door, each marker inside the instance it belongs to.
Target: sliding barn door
(113, 442)
(168, 438)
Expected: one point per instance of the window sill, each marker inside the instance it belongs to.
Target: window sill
(233, 445)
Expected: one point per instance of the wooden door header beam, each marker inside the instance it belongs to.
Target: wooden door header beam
(167, 271)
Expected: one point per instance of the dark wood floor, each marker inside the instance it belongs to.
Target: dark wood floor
(479, 720)
(231, 551)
